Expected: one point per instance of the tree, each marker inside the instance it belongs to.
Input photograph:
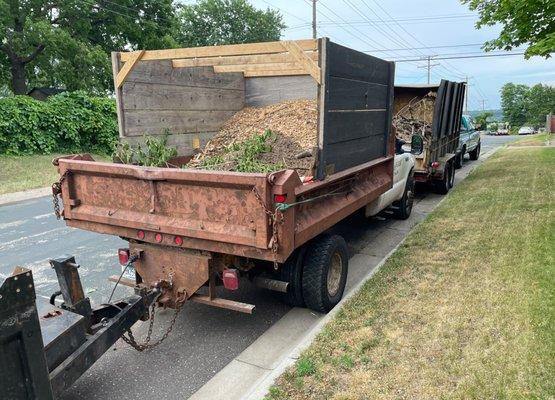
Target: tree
(524, 22)
(482, 118)
(217, 22)
(522, 104)
(66, 43)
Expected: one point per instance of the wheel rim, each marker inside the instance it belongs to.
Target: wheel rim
(334, 274)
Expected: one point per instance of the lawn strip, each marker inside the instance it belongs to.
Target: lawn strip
(464, 308)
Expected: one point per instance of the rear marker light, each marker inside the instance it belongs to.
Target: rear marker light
(280, 198)
(158, 237)
(141, 234)
(231, 279)
(178, 240)
(435, 165)
(123, 255)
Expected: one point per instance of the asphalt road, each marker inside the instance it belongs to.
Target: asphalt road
(204, 340)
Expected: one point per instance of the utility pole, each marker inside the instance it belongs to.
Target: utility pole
(466, 95)
(429, 67)
(314, 33)
(483, 105)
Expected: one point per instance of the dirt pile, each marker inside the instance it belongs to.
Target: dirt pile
(291, 144)
(415, 117)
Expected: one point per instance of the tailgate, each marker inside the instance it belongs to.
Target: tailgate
(211, 205)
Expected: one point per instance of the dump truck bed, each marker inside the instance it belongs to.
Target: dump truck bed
(222, 212)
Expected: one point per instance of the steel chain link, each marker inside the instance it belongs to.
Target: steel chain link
(56, 190)
(276, 218)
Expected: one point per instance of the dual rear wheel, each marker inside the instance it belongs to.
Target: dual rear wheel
(317, 273)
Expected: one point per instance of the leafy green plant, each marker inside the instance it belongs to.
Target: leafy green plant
(68, 122)
(244, 156)
(152, 152)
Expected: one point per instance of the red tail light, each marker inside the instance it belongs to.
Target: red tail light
(141, 234)
(280, 198)
(178, 240)
(123, 255)
(435, 165)
(158, 237)
(231, 279)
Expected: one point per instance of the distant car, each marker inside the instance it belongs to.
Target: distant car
(526, 130)
(469, 141)
(542, 130)
(502, 131)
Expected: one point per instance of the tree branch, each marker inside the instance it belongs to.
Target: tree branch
(34, 54)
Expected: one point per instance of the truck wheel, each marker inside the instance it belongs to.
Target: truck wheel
(325, 272)
(452, 176)
(474, 154)
(292, 272)
(442, 186)
(404, 206)
(459, 161)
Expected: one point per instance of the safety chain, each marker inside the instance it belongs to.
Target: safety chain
(56, 190)
(147, 345)
(276, 218)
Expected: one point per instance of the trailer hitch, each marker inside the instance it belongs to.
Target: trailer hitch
(45, 348)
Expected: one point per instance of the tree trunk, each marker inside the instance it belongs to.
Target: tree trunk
(19, 81)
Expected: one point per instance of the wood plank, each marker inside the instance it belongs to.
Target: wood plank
(309, 65)
(263, 91)
(139, 122)
(283, 72)
(142, 96)
(258, 67)
(116, 65)
(162, 73)
(127, 67)
(225, 50)
(238, 60)
(359, 151)
(223, 303)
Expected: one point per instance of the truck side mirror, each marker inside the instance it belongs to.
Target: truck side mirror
(416, 145)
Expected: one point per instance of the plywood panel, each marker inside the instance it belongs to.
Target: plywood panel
(262, 91)
(361, 124)
(348, 94)
(144, 96)
(343, 155)
(185, 143)
(139, 122)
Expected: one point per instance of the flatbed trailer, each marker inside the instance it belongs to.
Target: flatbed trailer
(436, 164)
(197, 228)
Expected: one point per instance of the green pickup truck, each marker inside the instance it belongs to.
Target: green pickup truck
(469, 141)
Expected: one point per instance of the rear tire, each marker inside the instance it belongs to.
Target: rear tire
(475, 154)
(325, 272)
(442, 186)
(404, 206)
(292, 272)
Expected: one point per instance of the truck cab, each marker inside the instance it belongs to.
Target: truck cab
(469, 141)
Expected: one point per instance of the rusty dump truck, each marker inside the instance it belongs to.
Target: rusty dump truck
(195, 229)
(436, 164)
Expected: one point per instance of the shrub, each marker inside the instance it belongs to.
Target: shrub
(68, 122)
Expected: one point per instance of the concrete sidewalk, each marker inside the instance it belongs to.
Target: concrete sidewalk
(250, 375)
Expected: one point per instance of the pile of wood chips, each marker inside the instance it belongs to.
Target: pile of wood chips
(293, 144)
(416, 117)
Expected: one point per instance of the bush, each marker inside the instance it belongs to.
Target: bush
(68, 122)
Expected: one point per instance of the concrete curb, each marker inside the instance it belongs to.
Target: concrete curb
(16, 197)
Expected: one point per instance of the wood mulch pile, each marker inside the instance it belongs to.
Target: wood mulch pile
(416, 117)
(293, 143)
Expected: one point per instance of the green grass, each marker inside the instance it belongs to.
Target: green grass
(19, 173)
(533, 140)
(465, 309)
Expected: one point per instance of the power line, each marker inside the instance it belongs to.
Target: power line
(462, 57)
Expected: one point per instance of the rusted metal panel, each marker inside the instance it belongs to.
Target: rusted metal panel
(187, 270)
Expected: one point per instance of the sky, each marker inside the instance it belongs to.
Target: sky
(398, 25)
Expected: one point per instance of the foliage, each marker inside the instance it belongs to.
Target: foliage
(217, 22)
(153, 152)
(244, 156)
(67, 43)
(522, 104)
(524, 22)
(482, 118)
(68, 122)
